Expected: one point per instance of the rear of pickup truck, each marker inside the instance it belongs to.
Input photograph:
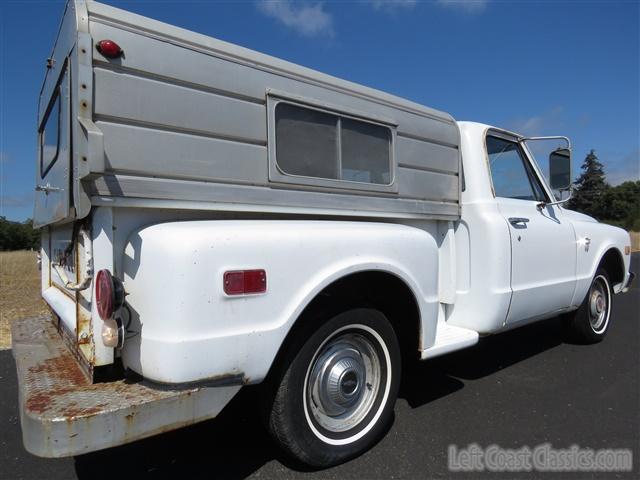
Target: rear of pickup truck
(118, 168)
(73, 398)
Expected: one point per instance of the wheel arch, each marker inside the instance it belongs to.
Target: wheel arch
(612, 262)
(380, 289)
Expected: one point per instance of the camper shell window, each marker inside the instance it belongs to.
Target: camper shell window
(50, 136)
(316, 146)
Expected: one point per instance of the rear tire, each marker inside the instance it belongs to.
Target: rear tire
(335, 392)
(590, 322)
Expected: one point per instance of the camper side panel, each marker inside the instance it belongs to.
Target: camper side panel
(174, 114)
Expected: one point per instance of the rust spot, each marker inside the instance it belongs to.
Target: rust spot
(63, 372)
(39, 402)
(63, 368)
(129, 418)
(73, 411)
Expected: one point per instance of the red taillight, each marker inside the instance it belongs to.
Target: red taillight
(109, 48)
(109, 294)
(243, 282)
(104, 294)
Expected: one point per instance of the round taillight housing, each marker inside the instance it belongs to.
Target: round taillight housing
(109, 48)
(104, 294)
(109, 294)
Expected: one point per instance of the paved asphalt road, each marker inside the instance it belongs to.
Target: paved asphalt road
(524, 387)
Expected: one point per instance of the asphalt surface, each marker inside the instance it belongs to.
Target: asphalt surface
(522, 388)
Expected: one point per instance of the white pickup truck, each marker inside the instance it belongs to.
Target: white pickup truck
(213, 217)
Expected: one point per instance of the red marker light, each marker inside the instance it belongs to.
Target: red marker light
(109, 294)
(104, 294)
(244, 282)
(109, 48)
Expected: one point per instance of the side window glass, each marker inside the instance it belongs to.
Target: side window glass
(306, 142)
(365, 152)
(49, 137)
(510, 172)
(311, 143)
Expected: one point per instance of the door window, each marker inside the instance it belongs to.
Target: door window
(511, 173)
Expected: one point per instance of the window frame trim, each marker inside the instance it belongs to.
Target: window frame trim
(278, 176)
(531, 170)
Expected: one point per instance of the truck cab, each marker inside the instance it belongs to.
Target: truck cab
(534, 254)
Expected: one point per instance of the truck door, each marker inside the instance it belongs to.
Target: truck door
(543, 253)
(53, 174)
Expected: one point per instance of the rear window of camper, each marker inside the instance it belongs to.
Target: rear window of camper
(50, 136)
(319, 144)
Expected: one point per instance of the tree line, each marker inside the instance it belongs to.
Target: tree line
(592, 195)
(18, 235)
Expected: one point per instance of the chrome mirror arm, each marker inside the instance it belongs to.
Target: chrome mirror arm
(542, 205)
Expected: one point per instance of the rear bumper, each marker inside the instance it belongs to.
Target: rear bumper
(63, 414)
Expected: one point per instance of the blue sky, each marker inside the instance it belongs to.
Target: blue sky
(538, 67)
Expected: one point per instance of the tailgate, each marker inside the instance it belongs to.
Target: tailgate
(66, 285)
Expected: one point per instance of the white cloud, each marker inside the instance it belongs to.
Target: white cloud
(546, 123)
(307, 19)
(466, 6)
(392, 5)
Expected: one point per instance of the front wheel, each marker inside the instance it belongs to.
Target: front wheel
(336, 393)
(590, 322)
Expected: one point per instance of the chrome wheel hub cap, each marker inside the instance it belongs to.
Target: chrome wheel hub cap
(343, 382)
(598, 304)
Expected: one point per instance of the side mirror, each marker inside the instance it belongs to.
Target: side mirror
(560, 169)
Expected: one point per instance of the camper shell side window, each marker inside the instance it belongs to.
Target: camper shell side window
(325, 147)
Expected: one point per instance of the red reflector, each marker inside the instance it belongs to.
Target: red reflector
(109, 294)
(104, 294)
(109, 48)
(242, 282)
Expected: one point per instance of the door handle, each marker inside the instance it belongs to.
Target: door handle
(518, 220)
(47, 189)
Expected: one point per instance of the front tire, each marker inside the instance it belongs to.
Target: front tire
(336, 392)
(590, 322)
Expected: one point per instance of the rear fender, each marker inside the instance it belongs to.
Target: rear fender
(184, 328)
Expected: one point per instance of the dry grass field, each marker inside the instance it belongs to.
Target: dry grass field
(19, 290)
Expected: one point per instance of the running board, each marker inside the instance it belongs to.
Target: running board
(449, 339)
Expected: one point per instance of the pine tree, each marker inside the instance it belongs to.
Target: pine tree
(590, 189)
